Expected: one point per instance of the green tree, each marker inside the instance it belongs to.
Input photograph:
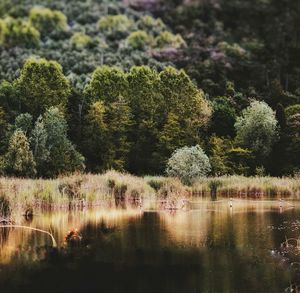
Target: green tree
(166, 39)
(24, 123)
(139, 40)
(63, 157)
(47, 20)
(223, 118)
(38, 142)
(146, 104)
(17, 32)
(19, 159)
(114, 25)
(41, 85)
(188, 163)
(257, 129)
(107, 84)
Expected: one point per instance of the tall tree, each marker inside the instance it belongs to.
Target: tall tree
(41, 85)
(257, 129)
(19, 159)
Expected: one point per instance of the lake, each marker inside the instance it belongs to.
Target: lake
(209, 247)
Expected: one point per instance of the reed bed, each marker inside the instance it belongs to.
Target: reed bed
(249, 187)
(86, 190)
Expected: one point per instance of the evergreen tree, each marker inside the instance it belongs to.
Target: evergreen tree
(19, 159)
(41, 85)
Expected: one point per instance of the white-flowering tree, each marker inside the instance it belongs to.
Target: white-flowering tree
(188, 163)
(257, 128)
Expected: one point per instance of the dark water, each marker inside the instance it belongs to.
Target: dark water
(211, 248)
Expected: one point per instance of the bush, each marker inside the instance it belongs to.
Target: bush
(47, 20)
(139, 40)
(81, 40)
(16, 32)
(167, 39)
(188, 163)
(112, 24)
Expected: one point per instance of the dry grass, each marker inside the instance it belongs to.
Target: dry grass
(257, 187)
(74, 191)
(83, 190)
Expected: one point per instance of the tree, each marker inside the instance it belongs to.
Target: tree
(166, 39)
(139, 40)
(188, 163)
(41, 85)
(24, 123)
(63, 157)
(107, 84)
(114, 25)
(17, 32)
(257, 129)
(19, 159)
(223, 118)
(146, 104)
(38, 142)
(47, 20)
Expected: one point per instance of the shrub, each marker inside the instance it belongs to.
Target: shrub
(112, 24)
(81, 40)
(47, 20)
(139, 40)
(17, 32)
(188, 163)
(167, 39)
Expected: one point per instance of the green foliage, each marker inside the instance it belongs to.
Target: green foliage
(106, 84)
(81, 40)
(139, 40)
(24, 123)
(17, 32)
(188, 163)
(63, 157)
(292, 110)
(46, 20)
(167, 39)
(150, 24)
(41, 85)
(257, 128)
(38, 140)
(19, 159)
(223, 117)
(114, 24)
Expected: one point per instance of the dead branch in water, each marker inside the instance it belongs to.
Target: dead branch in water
(54, 244)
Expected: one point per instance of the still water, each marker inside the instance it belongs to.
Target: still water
(210, 247)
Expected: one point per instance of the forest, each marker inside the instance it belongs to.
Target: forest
(95, 85)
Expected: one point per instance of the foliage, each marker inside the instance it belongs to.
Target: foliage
(19, 159)
(46, 20)
(257, 128)
(17, 32)
(81, 40)
(139, 40)
(41, 85)
(167, 39)
(114, 24)
(188, 163)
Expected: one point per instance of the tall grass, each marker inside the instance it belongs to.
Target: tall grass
(253, 187)
(72, 192)
(83, 190)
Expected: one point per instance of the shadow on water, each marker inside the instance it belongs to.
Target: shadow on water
(131, 251)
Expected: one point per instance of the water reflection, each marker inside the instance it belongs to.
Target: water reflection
(210, 248)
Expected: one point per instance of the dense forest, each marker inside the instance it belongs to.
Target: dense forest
(93, 85)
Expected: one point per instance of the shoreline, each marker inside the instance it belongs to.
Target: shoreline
(87, 190)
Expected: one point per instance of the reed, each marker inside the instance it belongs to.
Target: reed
(250, 187)
(84, 190)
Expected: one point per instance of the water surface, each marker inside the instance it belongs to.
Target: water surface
(208, 248)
